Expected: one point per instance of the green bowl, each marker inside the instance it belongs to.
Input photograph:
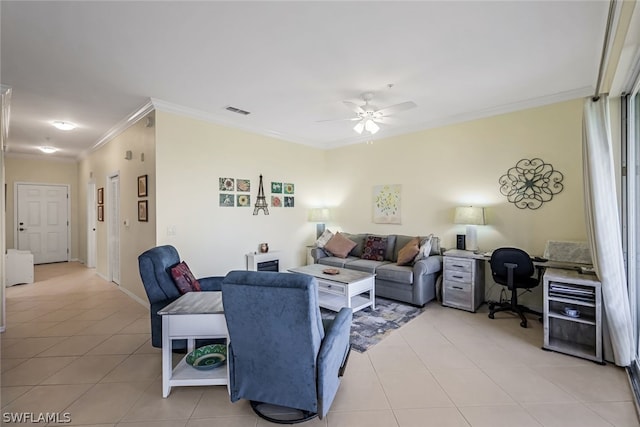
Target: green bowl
(208, 357)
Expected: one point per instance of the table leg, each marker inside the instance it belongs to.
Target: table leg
(166, 357)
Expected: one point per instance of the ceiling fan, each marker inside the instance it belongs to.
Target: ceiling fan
(368, 115)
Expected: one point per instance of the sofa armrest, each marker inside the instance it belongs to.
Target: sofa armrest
(333, 352)
(211, 283)
(318, 253)
(429, 265)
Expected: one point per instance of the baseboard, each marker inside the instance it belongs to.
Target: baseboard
(633, 373)
(102, 276)
(134, 297)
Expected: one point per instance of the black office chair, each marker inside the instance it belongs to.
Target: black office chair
(513, 268)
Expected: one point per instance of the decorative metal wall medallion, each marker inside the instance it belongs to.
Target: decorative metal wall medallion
(261, 201)
(530, 183)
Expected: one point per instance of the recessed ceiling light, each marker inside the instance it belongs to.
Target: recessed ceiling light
(64, 125)
(47, 149)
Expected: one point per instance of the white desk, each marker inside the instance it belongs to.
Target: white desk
(195, 315)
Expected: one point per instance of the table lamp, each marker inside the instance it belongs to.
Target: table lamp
(321, 216)
(470, 216)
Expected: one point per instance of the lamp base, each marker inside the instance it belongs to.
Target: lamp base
(319, 230)
(472, 238)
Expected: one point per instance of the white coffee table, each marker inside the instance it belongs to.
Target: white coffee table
(195, 315)
(348, 288)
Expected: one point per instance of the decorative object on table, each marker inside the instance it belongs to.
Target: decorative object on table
(243, 185)
(470, 216)
(101, 195)
(530, 183)
(461, 242)
(227, 200)
(571, 312)
(244, 200)
(142, 186)
(264, 248)
(142, 211)
(331, 271)
(261, 202)
(226, 184)
(207, 357)
(369, 327)
(386, 204)
(100, 212)
(276, 187)
(319, 216)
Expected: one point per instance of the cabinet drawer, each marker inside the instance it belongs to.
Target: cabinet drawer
(332, 287)
(458, 264)
(457, 295)
(457, 276)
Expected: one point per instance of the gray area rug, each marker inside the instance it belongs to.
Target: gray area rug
(369, 326)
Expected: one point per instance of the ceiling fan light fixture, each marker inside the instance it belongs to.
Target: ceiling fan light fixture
(62, 125)
(48, 149)
(359, 127)
(371, 126)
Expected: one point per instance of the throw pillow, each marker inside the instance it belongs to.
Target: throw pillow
(339, 245)
(425, 248)
(183, 278)
(409, 251)
(374, 248)
(324, 238)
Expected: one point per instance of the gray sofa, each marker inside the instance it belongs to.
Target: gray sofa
(414, 284)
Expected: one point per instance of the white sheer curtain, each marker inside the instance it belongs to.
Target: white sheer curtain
(603, 226)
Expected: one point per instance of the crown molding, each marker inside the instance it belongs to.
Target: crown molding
(41, 157)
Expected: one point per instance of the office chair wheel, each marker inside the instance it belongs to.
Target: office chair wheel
(491, 316)
(523, 324)
(281, 415)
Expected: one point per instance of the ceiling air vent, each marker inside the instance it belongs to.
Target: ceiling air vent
(237, 110)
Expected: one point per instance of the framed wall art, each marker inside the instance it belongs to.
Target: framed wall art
(142, 186)
(101, 195)
(100, 212)
(386, 204)
(143, 215)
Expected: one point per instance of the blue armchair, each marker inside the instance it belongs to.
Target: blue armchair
(281, 353)
(155, 265)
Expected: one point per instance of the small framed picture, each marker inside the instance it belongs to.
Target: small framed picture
(100, 212)
(101, 195)
(142, 211)
(142, 186)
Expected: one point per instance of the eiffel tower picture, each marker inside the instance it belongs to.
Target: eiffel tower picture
(261, 202)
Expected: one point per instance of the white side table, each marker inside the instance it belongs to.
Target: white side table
(195, 315)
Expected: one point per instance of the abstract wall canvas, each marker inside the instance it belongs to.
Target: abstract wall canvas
(386, 204)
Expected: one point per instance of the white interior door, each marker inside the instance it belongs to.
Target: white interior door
(91, 225)
(42, 221)
(113, 228)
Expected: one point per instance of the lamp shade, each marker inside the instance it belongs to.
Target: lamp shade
(319, 215)
(469, 215)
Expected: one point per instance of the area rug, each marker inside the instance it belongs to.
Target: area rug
(369, 326)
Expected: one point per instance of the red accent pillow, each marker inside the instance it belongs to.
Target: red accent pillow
(184, 279)
(374, 248)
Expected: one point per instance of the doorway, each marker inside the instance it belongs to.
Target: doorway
(91, 225)
(113, 226)
(41, 221)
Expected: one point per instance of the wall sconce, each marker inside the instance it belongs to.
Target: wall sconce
(128, 155)
(321, 216)
(470, 216)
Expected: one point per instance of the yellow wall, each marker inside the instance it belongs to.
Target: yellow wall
(137, 236)
(43, 171)
(191, 157)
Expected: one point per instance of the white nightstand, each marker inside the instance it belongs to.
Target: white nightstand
(463, 281)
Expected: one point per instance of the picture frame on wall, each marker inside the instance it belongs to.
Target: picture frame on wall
(101, 195)
(142, 211)
(142, 186)
(101, 213)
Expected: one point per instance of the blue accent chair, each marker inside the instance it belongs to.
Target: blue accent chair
(155, 265)
(281, 353)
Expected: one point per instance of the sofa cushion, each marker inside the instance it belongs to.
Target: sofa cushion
(395, 273)
(366, 265)
(334, 261)
(184, 279)
(324, 238)
(339, 245)
(375, 248)
(409, 251)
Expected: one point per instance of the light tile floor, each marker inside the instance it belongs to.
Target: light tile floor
(76, 344)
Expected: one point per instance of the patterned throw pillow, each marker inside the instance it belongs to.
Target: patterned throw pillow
(324, 238)
(183, 278)
(374, 248)
(339, 245)
(409, 251)
(425, 248)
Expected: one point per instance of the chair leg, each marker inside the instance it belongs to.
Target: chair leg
(513, 306)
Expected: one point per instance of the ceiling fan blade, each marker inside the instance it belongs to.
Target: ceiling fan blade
(393, 109)
(350, 119)
(353, 107)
